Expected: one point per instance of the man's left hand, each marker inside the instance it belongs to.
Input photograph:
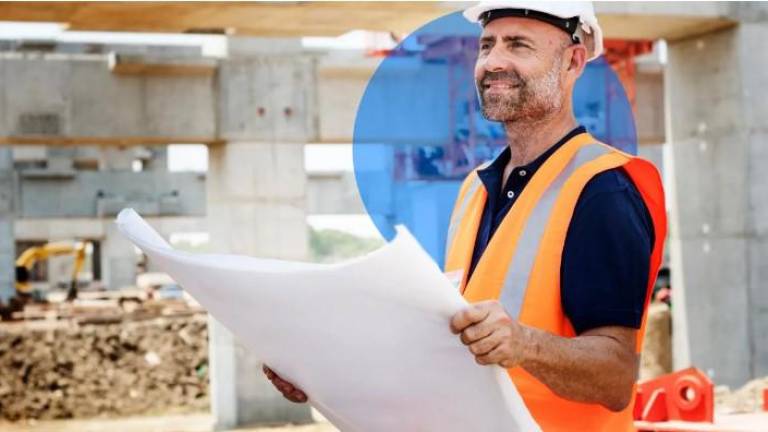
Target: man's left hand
(491, 335)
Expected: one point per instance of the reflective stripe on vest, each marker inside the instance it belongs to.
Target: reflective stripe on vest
(516, 281)
(517, 277)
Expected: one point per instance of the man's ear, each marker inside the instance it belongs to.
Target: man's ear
(576, 59)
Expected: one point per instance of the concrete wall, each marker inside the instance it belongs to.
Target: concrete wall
(341, 85)
(715, 96)
(649, 107)
(47, 229)
(78, 96)
(103, 194)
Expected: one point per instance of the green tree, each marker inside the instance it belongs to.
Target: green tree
(329, 245)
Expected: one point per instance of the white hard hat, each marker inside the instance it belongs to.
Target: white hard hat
(560, 9)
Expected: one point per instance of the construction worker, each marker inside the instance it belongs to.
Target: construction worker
(557, 241)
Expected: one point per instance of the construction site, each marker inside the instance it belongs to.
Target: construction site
(231, 128)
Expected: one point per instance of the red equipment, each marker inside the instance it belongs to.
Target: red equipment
(686, 395)
(765, 400)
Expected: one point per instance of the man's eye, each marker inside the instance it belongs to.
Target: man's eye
(485, 46)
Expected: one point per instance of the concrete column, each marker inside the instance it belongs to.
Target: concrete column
(716, 88)
(257, 200)
(118, 255)
(118, 258)
(7, 239)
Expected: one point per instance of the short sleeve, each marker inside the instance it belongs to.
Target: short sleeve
(606, 258)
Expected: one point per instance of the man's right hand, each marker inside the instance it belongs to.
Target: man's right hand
(287, 389)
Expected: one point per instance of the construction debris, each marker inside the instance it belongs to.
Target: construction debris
(747, 399)
(71, 369)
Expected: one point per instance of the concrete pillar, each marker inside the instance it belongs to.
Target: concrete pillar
(715, 90)
(7, 239)
(118, 259)
(118, 255)
(257, 200)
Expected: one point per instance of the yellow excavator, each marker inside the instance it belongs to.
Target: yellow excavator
(26, 262)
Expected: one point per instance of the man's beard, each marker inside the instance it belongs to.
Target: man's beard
(530, 99)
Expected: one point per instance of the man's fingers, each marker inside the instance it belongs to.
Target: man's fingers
(269, 372)
(476, 332)
(467, 317)
(486, 344)
(281, 384)
(284, 386)
(494, 356)
(297, 396)
(288, 390)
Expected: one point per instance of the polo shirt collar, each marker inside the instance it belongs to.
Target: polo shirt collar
(492, 174)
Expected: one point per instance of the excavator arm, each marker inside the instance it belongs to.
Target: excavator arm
(27, 260)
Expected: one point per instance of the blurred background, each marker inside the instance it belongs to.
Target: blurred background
(230, 127)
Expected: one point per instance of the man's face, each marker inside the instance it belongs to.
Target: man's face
(519, 69)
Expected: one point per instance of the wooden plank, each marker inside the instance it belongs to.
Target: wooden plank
(155, 66)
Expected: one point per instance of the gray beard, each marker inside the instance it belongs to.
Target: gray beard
(531, 102)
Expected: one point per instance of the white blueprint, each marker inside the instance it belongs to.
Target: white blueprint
(368, 340)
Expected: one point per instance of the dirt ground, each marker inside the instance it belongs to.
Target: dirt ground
(69, 370)
(178, 423)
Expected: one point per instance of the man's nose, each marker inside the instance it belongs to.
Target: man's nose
(494, 61)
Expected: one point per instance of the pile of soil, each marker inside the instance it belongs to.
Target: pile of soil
(62, 369)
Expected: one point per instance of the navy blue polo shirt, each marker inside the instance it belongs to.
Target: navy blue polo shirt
(606, 258)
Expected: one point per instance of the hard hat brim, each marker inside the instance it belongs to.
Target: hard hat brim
(474, 13)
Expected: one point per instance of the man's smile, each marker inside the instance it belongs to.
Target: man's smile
(500, 85)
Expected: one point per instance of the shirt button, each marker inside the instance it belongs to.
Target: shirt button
(510, 194)
(523, 173)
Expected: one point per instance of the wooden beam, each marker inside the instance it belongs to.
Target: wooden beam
(313, 18)
(653, 27)
(246, 18)
(144, 65)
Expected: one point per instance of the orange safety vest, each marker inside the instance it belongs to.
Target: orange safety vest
(521, 265)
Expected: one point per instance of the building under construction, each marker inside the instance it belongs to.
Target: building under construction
(96, 99)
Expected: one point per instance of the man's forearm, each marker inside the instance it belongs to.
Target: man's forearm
(590, 368)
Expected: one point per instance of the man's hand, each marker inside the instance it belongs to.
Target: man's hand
(598, 366)
(287, 389)
(491, 335)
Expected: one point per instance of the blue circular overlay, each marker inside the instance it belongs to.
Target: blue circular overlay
(419, 129)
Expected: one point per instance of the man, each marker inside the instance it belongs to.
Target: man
(555, 241)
